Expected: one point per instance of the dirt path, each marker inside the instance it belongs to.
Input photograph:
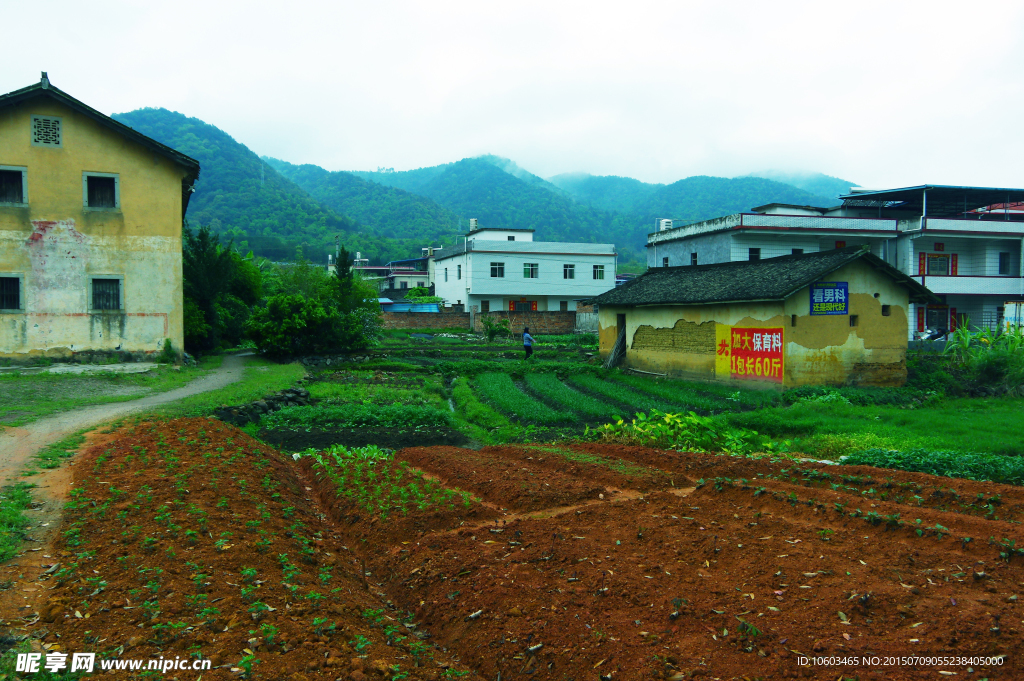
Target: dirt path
(19, 592)
(17, 445)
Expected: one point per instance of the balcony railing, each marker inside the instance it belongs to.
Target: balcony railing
(998, 226)
(996, 286)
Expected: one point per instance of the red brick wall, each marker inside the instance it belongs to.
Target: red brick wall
(426, 320)
(539, 322)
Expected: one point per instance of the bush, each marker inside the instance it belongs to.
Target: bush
(681, 432)
(294, 325)
(992, 467)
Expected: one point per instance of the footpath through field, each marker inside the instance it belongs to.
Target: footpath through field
(18, 445)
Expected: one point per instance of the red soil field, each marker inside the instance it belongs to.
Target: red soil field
(579, 562)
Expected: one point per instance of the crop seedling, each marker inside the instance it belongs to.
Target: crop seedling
(360, 643)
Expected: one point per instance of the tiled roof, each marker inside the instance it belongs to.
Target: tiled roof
(747, 281)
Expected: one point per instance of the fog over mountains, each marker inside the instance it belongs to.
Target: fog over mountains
(276, 207)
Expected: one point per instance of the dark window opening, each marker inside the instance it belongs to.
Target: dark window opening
(563, 306)
(106, 294)
(886, 311)
(1004, 262)
(664, 262)
(485, 306)
(853, 320)
(754, 254)
(102, 192)
(10, 293)
(511, 238)
(404, 284)
(11, 187)
(798, 251)
(792, 320)
(693, 258)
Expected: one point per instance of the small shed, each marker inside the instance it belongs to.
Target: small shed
(829, 318)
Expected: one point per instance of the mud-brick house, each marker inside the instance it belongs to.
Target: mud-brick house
(828, 318)
(90, 231)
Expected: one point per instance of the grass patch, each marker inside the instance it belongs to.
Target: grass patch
(260, 377)
(992, 467)
(832, 429)
(502, 392)
(549, 387)
(27, 397)
(53, 455)
(13, 523)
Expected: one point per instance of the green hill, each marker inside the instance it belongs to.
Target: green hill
(703, 197)
(825, 186)
(606, 192)
(384, 210)
(237, 194)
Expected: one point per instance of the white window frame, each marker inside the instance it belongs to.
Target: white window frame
(598, 272)
(531, 270)
(60, 134)
(21, 292)
(120, 293)
(568, 271)
(85, 191)
(498, 267)
(24, 185)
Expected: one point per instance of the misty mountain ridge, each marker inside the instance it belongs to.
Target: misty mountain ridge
(276, 207)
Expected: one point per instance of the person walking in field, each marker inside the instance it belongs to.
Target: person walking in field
(527, 342)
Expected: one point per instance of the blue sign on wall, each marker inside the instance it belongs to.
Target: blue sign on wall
(830, 297)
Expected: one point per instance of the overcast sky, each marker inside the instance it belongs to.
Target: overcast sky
(879, 93)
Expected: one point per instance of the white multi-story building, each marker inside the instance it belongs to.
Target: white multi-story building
(963, 243)
(505, 269)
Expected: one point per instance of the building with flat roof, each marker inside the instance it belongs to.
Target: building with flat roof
(963, 243)
(505, 269)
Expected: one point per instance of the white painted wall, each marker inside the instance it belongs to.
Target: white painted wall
(477, 284)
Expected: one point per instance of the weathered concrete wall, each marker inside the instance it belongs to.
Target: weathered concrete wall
(685, 341)
(56, 245)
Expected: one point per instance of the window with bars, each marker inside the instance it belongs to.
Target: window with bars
(485, 306)
(530, 270)
(13, 185)
(101, 191)
(106, 294)
(568, 271)
(46, 131)
(563, 306)
(10, 293)
(598, 271)
(498, 269)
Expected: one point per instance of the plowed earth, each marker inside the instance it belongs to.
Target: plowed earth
(580, 562)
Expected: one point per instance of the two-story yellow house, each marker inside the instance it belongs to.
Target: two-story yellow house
(90, 231)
